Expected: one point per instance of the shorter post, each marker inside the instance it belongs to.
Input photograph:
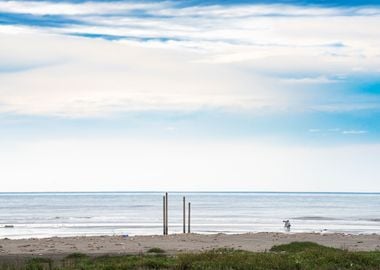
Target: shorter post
(188, 219)
(166, 213)
(184, 214)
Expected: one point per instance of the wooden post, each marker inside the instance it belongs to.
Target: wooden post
(188, 219)
(166, 214)
(184, 214)
(163, 215)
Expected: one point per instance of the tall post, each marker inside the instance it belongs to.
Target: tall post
(166, 214)
(188, 219)
(184, 214)
(163, 215)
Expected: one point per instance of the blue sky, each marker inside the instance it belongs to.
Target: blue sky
(248, 77)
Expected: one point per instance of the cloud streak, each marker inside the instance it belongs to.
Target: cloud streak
(354, 132)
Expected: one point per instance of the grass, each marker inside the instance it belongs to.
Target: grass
(156, 250)
(293, 256)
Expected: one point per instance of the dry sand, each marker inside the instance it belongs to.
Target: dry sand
(172, 244)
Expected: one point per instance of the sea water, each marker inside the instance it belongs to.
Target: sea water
(140, 213)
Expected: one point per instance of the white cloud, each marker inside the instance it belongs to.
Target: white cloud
(92, 77)
(311, 80)
(354, 132)
(334, 129)
(231, 57)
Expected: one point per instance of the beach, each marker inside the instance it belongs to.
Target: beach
(59, 224)
(177, 243)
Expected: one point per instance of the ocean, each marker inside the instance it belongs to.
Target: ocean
(140, 213)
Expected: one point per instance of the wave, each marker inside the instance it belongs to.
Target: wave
(372, 219)
(314, 218)
(85, 225)
(66, 218)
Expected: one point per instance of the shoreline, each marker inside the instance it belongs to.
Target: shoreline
(177, 243)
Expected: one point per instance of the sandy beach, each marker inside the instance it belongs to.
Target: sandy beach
(177, 243)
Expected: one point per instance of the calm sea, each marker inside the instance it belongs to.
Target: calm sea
(69, 214)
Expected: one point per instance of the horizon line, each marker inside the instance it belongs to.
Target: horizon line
(195, 191)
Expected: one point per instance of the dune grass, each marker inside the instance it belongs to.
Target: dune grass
(156, 250)
(297, 255)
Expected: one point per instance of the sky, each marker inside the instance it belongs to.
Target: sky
(215, 95)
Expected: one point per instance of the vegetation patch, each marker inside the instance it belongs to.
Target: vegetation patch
(300, 247)
(293, 256)
(76, 256)
(156, 250)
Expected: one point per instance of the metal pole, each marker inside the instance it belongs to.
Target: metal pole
(184, 214)
(188, 219)
(166, 213)
(163, 215)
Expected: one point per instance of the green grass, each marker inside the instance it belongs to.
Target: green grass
(295, 247)
(294, 256)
